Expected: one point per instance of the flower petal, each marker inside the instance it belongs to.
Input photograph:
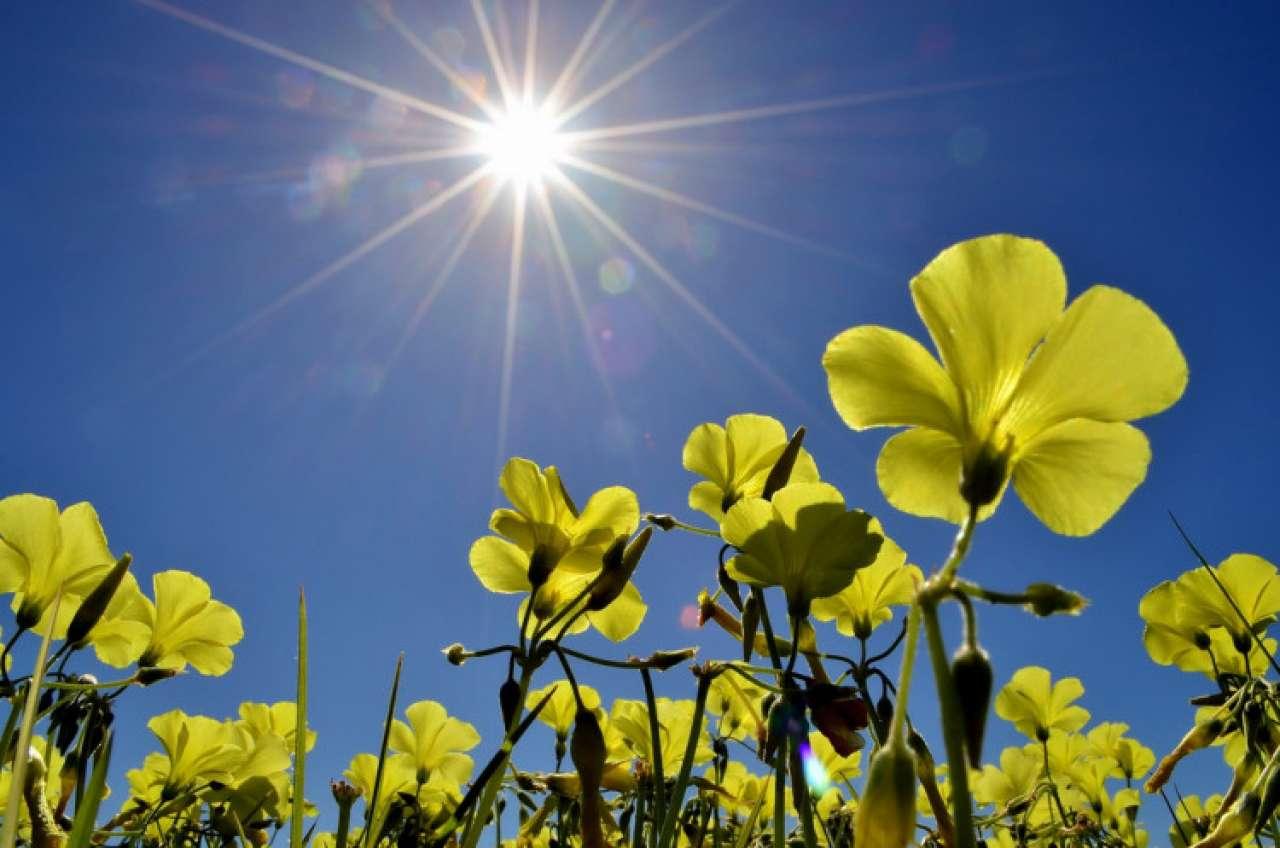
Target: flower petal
(705, 453)
(610, 513)
(919, 473)
(987, 303)
(1075, 475)
(622, 617)
(754, 444)
(83, 558)
(880, 377)
(526, 487)
(706, 497)
(28, 538)
(500, 565)
(1109, 358)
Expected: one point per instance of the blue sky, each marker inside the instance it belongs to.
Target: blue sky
(164, 184)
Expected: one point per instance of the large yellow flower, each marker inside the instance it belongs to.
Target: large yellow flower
(42, 550)
(736, 460)
(188, 626)
(433, 742)
(562, 546)
(1036, 705)
(803, 540)
(1024, 390)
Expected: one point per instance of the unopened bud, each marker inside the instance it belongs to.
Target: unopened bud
(972, 678)
(730, 587)
(661, 521)
(887, 811)
(1046, 599)
(1200, 736)
(839, 714)
(1233, 826)
(780, 474)
(750, 623)
(344, 793)
(95, 603)
(617, 569)
(148, 675)
(884, 709)
(663, 660)
(456, 654)
(1270, 794)
(587, 750)
(509, 702)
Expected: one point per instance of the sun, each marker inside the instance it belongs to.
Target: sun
(522, 144)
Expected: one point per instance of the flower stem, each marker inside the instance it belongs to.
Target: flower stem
(936, 589)
(490, 791)
(655, 748)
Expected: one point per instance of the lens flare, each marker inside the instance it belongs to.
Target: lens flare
(814, 773)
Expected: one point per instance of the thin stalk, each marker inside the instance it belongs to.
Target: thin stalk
(372, 804)
(953, 730)
(768, 627)
(665, 840)
(655, 747)
(299, 730)
(490, 791)
(780, 795)
(9, 834)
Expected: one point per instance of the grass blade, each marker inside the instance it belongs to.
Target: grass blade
(87, 808)
(372, 807)
(300, 730)
(9, 835)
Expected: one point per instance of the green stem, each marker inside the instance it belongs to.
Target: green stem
(672, 815)
(926, 607)
(780, 795)
(490, 791)
(953, 732)
(769, 638)
(655, 747)
(897, 727)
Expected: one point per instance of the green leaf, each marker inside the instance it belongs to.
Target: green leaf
(369, 837)
(300, 730)
(87, 808)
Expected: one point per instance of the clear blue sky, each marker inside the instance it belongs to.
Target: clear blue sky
(163, 184)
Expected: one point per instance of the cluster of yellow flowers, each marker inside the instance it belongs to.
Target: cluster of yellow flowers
(1025, 390)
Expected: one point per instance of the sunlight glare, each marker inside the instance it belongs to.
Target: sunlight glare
(522, 144)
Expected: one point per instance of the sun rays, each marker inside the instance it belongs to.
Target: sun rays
(523, 148)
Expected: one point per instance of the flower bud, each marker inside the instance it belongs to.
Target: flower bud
(1200, 736)
(620, 562)
(730, 587)
(886, 815)
(750, 623)
(1269, 798)
(456, 654)
(1046, 599)
(884, 709)
(663, 660)
(780, 474)
(1233, 826)
(344, 793)
(95, 603)
(587, 750)
(509, 702)
(972, 677)
(661, 520)
(148, 675)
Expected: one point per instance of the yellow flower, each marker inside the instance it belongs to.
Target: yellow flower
(1190, 624)
(1130, 758)
(836, 768)
(546, 534)
(803, 540)
(561, 710)
(280, 719)
(737, 701)
(433, 742)
(189, 626)
(1017, 775)
(42, 550)
(736, 460)
(630, 721)
(1024, 390)
(199, 750)
(397, 776)
(122, 634)
(864, 604)
(1035, 705)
